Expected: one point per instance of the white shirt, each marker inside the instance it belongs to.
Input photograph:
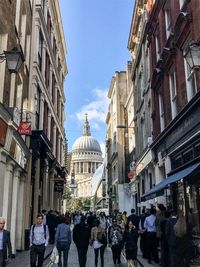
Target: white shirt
(39, 235)
(149, 223)
(1, 240)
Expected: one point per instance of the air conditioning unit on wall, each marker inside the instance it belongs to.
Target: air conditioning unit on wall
(160, 160)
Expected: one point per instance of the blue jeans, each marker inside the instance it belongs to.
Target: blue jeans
(63, 247)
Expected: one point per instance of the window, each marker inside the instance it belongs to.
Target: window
(23, 31)
(157, 48)
(41, 41)
(172, 85)
(37, 105)
(168, 20)
(47, 71)
(191, 86)
(28, 42)
(81, 167)
(89, 167)
(19, 93)
(49, 23)
(161, 109)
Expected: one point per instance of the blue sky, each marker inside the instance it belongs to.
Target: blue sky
(96, 33)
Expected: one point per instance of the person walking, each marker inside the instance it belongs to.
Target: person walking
(143, 233)
(152, 244)
(103, 221)
(5, 244)
(63, 241)
(98, 239)
(130, 238)
(77, 218)
(51, 221)
(115, 240)
(39, 238)
(171, 239)
(134, 218)
(81, 237)
(124, 218)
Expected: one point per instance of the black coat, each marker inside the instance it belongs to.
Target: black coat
(130, 239)
(7, 249)
(169, 232)
(135, 220)
(81, 235)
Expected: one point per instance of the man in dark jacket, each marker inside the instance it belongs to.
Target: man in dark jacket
(5, 244)
(81, 236)
(134, 218)
(171, 238)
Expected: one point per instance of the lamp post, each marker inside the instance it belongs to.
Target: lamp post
(192, 55)
(14, 59)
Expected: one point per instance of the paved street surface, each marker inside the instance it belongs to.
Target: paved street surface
(23, 259)
(73, 258)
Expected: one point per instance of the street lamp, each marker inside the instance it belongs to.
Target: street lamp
(14, 59)
(192, 55)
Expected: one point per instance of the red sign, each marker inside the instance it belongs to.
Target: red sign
(131, 174)
(24, 128)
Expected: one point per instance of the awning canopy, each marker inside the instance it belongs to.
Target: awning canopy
(158, 190)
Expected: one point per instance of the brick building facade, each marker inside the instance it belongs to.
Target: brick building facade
(175, 100)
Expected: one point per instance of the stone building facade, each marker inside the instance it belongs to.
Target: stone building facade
(117, 149)
(15, 31)
(143, 168)
(30, 164)
(46, 102)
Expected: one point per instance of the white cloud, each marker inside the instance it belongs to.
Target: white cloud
(97, 108)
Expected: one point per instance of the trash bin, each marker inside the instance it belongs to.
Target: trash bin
(27, 241)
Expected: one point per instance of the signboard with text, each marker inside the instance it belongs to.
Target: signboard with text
(58, 185)
(24, 128)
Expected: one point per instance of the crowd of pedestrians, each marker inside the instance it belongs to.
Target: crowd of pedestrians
(161, 234)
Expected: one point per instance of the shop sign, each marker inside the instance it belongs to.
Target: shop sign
(131, 174)
(24, 128)
(58, 185)
(3, 132)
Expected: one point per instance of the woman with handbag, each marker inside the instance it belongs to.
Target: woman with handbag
(130, 243)
(98, 241)
(115, 239)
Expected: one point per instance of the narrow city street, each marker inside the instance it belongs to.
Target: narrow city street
(73, 258)
(23, 259)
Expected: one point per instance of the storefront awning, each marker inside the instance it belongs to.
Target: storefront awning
(158, 190)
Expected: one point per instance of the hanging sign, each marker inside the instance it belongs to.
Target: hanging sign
(24, 128)
(131, 174)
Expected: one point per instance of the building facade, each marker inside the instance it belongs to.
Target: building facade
(143, 168)
(15, 32)
(170, 31)
(32, 148)
(117, 147)
(46, 101)
(86, 157)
